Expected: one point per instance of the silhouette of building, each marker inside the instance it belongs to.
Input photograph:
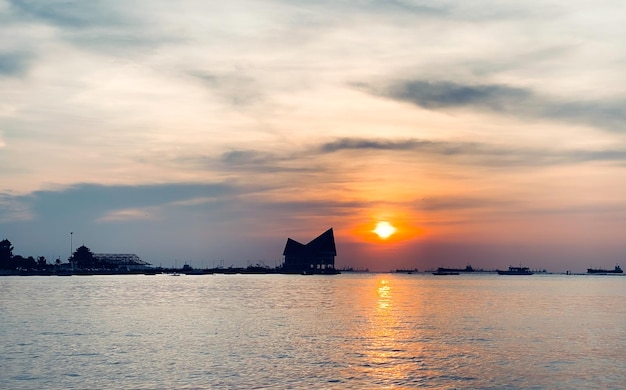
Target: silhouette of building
(318, 256)
(122, 262)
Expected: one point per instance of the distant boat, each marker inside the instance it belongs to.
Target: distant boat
(439, 272)
(516, 271)
(467, 268)
(407, 271)
(616, 270)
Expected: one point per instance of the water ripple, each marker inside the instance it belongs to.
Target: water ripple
(277, 331)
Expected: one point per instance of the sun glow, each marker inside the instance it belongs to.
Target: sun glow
(384, 229)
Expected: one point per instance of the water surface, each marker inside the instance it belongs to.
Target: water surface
(290, 331)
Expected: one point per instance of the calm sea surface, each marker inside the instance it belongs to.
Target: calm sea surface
(288, 331)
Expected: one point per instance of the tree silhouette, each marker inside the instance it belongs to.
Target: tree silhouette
(83, 258)
(29, 263)
(6, 254)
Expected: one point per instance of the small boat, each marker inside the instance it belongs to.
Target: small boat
(616, 270)
(516, 271)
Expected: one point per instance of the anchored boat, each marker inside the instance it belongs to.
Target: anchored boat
(516, 271)
(616, 270)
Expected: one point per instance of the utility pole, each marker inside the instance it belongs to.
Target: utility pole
(71, 248)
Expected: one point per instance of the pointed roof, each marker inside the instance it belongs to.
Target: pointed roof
(324, 243)
(293, 248)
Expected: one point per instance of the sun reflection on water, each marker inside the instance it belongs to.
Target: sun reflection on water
(384, 294)
(384, 347)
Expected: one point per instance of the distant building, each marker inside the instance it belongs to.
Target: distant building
(318, 256)
(122, 262)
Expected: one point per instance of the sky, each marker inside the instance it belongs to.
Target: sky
(487, 133)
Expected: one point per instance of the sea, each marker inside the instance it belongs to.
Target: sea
(348, 331)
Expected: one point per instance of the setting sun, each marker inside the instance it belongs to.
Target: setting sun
(384, 229)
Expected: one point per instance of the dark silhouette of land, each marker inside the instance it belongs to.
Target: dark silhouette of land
(316, 257)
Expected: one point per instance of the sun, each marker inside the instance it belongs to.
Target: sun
(384, 229)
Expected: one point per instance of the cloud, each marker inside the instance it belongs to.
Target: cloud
(242, 161)
(370, 144)
(245, 157)
(434, 95)
(73, 14)
(92, 202)
(98, 26)
(236, 89)
(14, 209)
(504, 100)
(447, 148)
(492, 206)
(264, 162)
(477, 153)
(311, 208)
(155, 212)
(453, 203)
(14, 64)
(320, 162)
(126, 215)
